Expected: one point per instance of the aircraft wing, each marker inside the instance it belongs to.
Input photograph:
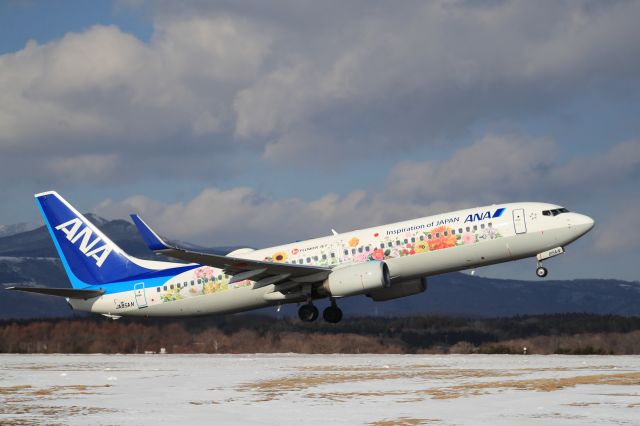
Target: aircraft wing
(264, 273)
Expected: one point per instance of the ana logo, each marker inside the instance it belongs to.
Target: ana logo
(74, 234)
(485, 215)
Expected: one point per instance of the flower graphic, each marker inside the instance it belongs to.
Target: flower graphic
(421, 247)
(468, 238)
(205, 273)
(488, 234)
(377, 254)
(279, 257)
(353, 242)
(439, 240)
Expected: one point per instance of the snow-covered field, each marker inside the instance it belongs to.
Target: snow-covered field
(319, 389)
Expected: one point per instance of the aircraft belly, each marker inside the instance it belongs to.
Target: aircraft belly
(231, 301)
(123, 304)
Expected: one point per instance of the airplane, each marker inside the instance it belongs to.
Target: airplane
(383, 262)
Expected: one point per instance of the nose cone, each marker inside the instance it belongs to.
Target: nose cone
(583, 223)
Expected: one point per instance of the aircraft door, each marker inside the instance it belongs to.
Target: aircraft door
(141, 297)
(519, 223)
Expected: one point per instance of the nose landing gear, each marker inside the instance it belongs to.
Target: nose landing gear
(541, 271)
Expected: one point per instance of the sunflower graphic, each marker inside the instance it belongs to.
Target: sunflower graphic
(354, 241)
(439, 240)
(421, 247)
(279, 257)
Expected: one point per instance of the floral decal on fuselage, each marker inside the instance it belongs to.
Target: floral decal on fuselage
(207, 280)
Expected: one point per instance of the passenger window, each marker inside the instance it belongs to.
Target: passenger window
(406, 241)
(315, 258)
(359, 249)
(413, 239)
(367, 248)
(353, 251)
(158, 289)
(346, 252)
(165, 288)
(381, 245)
(475, 227)
(390, 244)
(437, 235)
(192, 282)
(308, 260)
(397, 242)
(429, 236)
(482, 226)
(490, 225)
(220, 277)
(171, 286)
(421, 237)
(333, 255)
(468, 229)
(460, 231)
(324, 257)
(453, 232)
(446, 233)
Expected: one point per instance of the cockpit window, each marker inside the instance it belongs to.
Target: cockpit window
(554, 212)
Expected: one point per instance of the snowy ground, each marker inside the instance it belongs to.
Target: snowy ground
(319, 389)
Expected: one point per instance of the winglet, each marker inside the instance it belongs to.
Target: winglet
(151, 239)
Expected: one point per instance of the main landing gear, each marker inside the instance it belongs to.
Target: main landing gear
(309, 313)
(332, 314)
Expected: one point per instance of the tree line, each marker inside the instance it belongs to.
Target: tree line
(544, 334)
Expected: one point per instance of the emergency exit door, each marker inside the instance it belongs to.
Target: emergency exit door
(519, 223)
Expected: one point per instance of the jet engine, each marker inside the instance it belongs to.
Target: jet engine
(399, 289)
(357, 279)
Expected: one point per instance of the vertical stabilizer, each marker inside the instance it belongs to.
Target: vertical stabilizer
(89, 257)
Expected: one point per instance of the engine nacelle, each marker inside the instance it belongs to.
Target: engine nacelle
(399, 289)
(357, 279)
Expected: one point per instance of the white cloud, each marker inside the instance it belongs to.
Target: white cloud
(494, 169)
(316, 83)
(501, 167)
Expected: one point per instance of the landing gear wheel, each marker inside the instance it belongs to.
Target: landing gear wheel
(541, 272)
(308, 313)
(332, 314)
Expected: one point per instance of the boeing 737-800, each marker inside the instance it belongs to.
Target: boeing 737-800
(383, 262)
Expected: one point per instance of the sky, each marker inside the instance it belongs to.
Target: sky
(257, 123)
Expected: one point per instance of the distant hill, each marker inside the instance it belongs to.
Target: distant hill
(29, 258)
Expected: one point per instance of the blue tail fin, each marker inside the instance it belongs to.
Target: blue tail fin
(88, 256)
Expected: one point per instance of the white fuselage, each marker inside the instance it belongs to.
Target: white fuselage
(412, 249)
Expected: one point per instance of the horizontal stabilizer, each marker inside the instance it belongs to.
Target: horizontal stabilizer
(71, 293)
